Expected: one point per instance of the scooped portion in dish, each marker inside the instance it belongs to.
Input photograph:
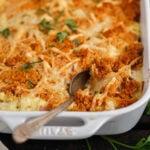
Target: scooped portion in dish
(44, 44)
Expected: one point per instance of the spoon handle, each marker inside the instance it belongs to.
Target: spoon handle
(25, 130)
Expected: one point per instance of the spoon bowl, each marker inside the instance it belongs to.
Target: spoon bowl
(22, 132)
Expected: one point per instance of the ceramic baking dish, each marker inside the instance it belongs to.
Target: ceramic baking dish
(78, 125)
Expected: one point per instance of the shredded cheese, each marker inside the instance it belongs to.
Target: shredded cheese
(44, 44)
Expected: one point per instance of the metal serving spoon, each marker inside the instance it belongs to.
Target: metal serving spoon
(22, 132)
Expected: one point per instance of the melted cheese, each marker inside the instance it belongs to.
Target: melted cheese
(44, 44)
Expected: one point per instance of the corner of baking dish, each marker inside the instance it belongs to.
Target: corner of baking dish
(145, 37)
(145, 33)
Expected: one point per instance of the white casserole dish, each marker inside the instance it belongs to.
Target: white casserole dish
(78, 125)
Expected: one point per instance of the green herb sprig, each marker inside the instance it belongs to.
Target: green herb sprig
(75, 51)
(143, 144)
(30, 65)
(61, 36)
(30, 84)
(5, 32)
(71, 25)
(45, 25)
(77, 42)
(88, 144)
(147, 110)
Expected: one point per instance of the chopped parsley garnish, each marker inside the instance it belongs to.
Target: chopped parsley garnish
(45, 26)
(26, 66)
(61, 36)
(77, 42)
(5, 32)
(75, 51)
(71, 24)
(30, 84)
(30, 65)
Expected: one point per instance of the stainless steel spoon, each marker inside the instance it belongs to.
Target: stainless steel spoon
(22, 132)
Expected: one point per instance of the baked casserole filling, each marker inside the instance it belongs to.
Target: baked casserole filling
(45, 43)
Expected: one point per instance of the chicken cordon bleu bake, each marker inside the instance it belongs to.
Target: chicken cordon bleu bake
(45, 43)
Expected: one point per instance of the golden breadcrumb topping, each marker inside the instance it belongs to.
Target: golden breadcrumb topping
(45, 43)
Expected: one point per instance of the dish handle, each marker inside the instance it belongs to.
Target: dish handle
(89, 128)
